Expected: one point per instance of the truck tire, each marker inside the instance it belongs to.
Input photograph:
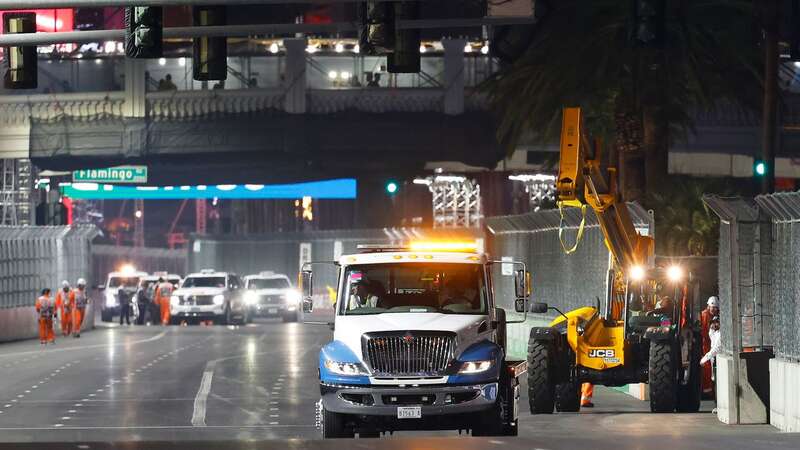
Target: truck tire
(568, 397)
(498, 421)
(225, 318)
(334, 426)
(289, 317)
(689, 395)
(662, 379)
(541, 383)
(106, 316)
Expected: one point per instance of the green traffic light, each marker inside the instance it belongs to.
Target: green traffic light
(391, 187)
(760, 168)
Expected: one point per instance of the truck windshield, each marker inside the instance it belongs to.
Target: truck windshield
(268, 283)
(116, 282)
(415, 288)
(218, 282)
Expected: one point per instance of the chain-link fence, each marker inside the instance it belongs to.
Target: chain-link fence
(745, 274)
(110, 258)
(566, 281)
(33, 258)
(784, 270)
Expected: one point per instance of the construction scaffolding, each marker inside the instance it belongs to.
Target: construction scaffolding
(541, 189)
(15, 192)
(456, 201)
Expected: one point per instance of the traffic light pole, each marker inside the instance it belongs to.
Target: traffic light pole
(770, 112)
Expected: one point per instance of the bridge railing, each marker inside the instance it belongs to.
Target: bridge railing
(18, 110)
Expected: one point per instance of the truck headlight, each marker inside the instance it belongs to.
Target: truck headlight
(219, 299)
(470, 367)
(250, 298)
(292, 297)
(174, 300)
(340, 368)
(111, 299)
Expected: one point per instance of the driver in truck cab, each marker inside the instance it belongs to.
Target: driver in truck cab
(363, 294)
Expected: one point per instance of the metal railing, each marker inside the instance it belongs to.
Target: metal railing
(19, 110)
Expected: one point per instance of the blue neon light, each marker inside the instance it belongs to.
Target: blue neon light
(344, 188)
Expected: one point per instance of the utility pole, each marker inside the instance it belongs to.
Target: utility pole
(769, 124)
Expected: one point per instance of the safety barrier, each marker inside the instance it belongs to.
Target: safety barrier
(32, 258)
(566, 281)
(759, 271)
(110, 258)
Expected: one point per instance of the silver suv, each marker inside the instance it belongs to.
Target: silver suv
(210, 295)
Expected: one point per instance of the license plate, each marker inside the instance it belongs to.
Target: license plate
(409, 412)
(194, 310)
(272, 311)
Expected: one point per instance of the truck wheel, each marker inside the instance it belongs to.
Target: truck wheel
(662, 380)
(334, 426)
(540, 377)
(690, 393)
(289, 317)
(106, 316)
(568, 397)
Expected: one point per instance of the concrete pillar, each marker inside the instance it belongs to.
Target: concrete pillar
(454, 75)
(135, 88)
(294, 79)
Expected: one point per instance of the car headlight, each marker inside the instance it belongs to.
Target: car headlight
(250, 298)
(470, 367)
(219, 299)
(174, 300)
(341, 368)
(292, 297)
(111, 299)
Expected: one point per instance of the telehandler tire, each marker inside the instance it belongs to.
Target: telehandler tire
(662, 377)
(689, 395)
(568, 397)
(541, 382)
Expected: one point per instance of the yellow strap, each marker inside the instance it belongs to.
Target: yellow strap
(561, 228)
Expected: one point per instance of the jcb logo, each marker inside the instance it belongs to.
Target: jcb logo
(601, 353)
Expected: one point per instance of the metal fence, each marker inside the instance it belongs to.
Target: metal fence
(109, 258)
(745, 274)
(566, 281)
(783, 211)
(33, 258)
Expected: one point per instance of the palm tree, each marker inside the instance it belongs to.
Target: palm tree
(636, 98)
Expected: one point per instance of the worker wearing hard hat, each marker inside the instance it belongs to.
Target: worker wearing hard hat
(711, 311)
(64, 308)
(45, 308)
(79, 299)
(163, 293)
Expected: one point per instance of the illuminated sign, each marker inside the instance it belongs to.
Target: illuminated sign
(344, 188)
(49, 19)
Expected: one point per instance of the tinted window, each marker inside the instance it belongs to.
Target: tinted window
(218, 282)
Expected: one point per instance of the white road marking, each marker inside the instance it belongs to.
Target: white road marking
(63, 349)
(200, 400)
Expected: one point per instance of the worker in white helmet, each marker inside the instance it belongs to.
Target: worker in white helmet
(64, 309)
(711, 311)
(79, 299)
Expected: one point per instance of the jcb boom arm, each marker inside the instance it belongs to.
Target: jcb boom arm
(583, 180)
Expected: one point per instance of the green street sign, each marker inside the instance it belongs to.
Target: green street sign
(119, 174)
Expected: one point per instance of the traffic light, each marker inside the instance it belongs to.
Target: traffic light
(143, 31)
(759, 168)
(22, 64)
(392, 187)
(379, 36)
(649, 22)
(210, 54)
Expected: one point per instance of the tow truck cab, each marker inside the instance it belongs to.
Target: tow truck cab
(418, 343)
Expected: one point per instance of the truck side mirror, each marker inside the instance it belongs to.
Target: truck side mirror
(308, 290)
(308, 305)
(522, 283)
(520, 305)
(539, 307)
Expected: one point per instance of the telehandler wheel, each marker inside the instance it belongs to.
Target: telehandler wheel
(541, 382)
(568, 397)
(662, 377)
(690, 393)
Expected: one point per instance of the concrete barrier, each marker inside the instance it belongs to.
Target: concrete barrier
(784, 383)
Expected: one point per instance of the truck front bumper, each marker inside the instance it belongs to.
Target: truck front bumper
(435, 400)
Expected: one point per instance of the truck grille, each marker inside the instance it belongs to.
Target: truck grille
(197, 300)
(414, 353)
(271, 300)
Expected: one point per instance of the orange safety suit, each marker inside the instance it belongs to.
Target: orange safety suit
(705, 325)
(45, 308)
(162, 296)
(78, 301)
(587, 391)
(64, 309)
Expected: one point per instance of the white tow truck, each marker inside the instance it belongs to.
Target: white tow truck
(419, 343)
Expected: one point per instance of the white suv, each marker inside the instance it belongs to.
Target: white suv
(209, 295)
(271, 295)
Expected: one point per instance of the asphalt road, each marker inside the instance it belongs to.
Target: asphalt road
(204, 387)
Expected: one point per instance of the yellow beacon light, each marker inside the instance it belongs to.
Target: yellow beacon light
(423, 246)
